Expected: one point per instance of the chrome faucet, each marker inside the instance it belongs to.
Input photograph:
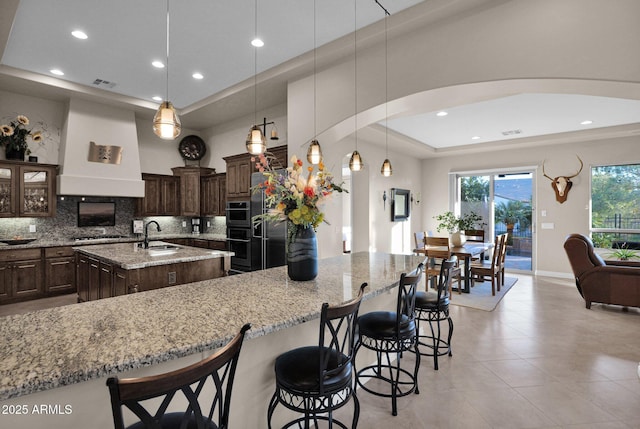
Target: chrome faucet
(146, 232)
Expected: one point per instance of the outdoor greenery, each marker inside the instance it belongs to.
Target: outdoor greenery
(474, 189)
(615, 196)
(514, 212)
(624, 253)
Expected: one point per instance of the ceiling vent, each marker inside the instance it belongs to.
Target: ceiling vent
(101, 83)
(511, 132)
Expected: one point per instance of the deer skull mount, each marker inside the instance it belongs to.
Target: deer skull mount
(562, 184)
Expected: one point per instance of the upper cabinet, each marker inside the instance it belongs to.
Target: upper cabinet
(239, 170)
(213, 195)
(27, 189)
(190, 184)
(161, 196)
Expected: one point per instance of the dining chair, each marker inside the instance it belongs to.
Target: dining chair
(418, 239)
(485, 270)
(149, 398)
(433, 308)
(503, 256)
(390, 334)
(314, 381)
(438, 249)
(477, 236)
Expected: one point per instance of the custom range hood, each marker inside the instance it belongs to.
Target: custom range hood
(93, 171)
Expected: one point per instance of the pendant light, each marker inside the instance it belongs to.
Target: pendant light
(386, 169)
(166, 123)
(314, 153)
(355, 163)
(256, 142)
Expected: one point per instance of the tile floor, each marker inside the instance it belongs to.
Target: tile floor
(540, 360)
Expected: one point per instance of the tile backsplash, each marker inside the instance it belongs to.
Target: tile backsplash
(65, 224)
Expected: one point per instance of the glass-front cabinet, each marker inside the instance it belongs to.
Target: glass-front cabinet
(27, 189)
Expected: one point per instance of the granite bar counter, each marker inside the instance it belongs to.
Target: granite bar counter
(50, 354)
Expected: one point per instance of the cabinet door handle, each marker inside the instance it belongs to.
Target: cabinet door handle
(60, 263)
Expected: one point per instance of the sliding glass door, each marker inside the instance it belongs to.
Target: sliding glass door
(504, 200)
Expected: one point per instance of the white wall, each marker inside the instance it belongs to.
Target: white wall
(569, 217)
(44, 115)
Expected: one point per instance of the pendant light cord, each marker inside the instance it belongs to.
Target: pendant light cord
(315, 48)
(355, 65)
(255, 65)
(167, 82)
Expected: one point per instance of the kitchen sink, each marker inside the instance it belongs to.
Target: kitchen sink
(164, 247)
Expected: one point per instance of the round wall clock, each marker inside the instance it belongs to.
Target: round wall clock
(192, 148)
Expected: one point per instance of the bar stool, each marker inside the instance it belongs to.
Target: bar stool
(391, 333)
(433, 307)
(318, 379)
(181, 385)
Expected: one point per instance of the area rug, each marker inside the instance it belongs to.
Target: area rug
(480, 296)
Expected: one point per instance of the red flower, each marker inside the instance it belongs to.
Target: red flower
(300, 162)
(309, 192)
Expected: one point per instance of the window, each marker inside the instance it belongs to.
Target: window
(615, 206)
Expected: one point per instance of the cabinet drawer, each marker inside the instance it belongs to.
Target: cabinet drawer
(217, 245)
(19, 254)
(58, 252)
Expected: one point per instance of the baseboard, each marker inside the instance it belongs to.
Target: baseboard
(555, 274)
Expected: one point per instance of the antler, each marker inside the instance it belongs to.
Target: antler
(581, 165)
(545, 174)
(568, 177)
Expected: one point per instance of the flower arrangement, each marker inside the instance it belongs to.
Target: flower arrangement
(292, 196)
(14, 136)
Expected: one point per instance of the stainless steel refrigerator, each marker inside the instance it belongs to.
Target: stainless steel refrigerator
(268, 240)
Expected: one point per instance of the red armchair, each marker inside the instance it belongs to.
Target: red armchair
(598, 282)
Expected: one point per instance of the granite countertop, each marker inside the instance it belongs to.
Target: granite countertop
(70, 344)
(44, 242)
(131, 256)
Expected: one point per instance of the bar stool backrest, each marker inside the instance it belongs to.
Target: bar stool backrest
(141, 395)
(406, 304)
(337, 336)
(444, 280)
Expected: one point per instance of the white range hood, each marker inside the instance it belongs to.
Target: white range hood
(88, 122)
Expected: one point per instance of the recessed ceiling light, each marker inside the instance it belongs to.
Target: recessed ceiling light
(257, 43)
(442, 113)
(197, 75)
(157, 98)
(79, 34)
(57, 72)
(158, 64)
(587, 122)
(475, 138)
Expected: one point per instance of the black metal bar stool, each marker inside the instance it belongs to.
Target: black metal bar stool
(140, 395)
(318, 379)
(433, 307)
(390, 333)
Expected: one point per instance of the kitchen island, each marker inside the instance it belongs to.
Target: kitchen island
(108, 270)
(62, 356)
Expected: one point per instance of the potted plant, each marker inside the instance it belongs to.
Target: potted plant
(13, 137)
(456, 225)
(624, 253)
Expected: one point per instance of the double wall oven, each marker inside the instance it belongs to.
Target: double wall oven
(239, 232)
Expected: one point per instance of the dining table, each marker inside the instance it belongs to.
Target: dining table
(467, 251)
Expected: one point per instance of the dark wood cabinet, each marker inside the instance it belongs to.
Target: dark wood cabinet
(60, 276)
(82, 277)
(239, 170)
(27, 189)
(190, 188)
(20, 275)
(161, 196)
(213, 195)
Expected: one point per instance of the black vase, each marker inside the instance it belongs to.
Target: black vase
(302, 255)
(14, 154)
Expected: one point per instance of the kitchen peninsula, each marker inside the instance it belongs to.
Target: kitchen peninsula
(64, 355)
(108, 270)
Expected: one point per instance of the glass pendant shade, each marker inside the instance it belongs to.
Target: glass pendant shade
(256, 142)
(314, 153)
(166, 123)
(355, 163)
(386, 169)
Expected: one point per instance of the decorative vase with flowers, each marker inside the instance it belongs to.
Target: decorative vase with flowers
(296, 199)
(13, 137)
(457, 225)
